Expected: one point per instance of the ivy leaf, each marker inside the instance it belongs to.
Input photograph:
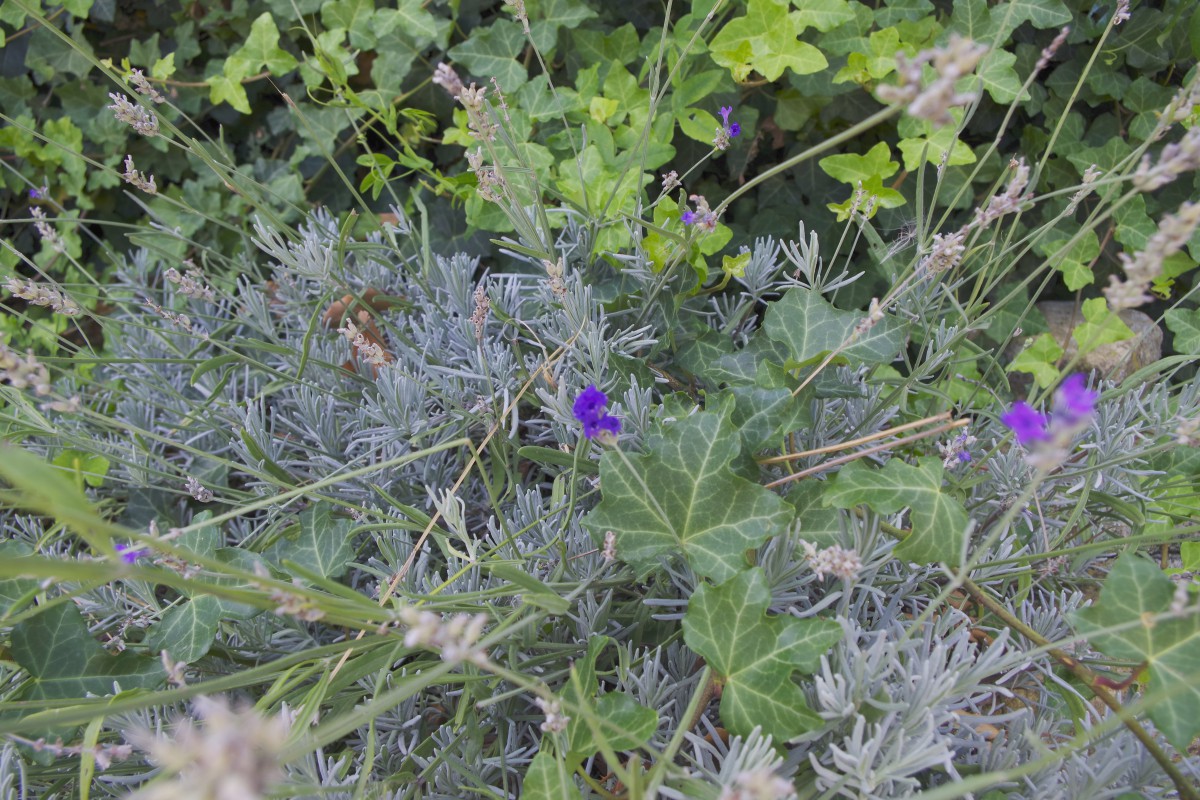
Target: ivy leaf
(1133, 592)
(262, 48)
(90, 467)
(64, 661)
(222, 89)
(765, 40)
(939, 521)
(321, 545)
(1040, 360)
(13, 590)
(824, 15)
(762, 415)
(1102, 326)
(1185, 324)
(754, 655)
(999, 78)
(549, 778)
(547, 16)
(1073, 261)
(937, 140)
(491, 52)
(853, 168)
(1039, 13)
(682, 498)
(355, 16)
(809, 326)
(187, 631)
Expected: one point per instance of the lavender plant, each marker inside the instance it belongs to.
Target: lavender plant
(585, 521)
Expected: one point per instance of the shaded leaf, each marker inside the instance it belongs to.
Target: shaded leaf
(1134, 591)
(939, 521)
(187, 631)
(64, 661)
(681, 498)
(809, 327)
(754, 655)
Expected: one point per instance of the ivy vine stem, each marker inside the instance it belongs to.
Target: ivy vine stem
(1093, 683)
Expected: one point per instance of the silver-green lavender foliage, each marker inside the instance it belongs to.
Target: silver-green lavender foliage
(245, 394)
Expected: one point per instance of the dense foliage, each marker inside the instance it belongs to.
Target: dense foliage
(638, 416)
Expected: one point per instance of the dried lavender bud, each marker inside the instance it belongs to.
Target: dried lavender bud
(133, 115)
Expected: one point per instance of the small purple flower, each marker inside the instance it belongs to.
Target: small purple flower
(688, 217)
(589, 409)
(129, 553)
(1073, 402)
(964, 457)
(734, 129)
(34, 194)
(725, 112)
(1027, 424)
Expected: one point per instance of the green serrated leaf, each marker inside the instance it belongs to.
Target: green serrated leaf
(262, 49)
(853, 168)
(939, 521)
(1134, 591)
(222, 89)
(754, 655)
(1101, 326)
(187, 631)
(1040, 360)
(1185, 324)
(681, 498)
(322, 543)
(549, 778)
(766, 40)
(491, 52)
(64, 661)
(809, 327)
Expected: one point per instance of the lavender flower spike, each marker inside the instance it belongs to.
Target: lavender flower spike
(1027, 424)
(589, 409)
(1074, 402)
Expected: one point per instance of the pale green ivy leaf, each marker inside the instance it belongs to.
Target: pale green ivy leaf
(754, 655)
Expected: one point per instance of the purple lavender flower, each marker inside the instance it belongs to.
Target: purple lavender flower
(734, 129)
(1027, 424)
(725, 112)
(589, 409)
(688, 217)
(1073, 402)
(34, 194)
(129, 553)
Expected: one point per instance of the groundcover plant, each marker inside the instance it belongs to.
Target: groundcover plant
(628, 508)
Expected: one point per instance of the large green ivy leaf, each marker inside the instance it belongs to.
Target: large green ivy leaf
(262, 49)
(14, 590)
(999, 78)
(1134, 591)
(64, 661)
(939, 521)
(681, 497)
(1101, 326)
(854, 169)
(809, 326)
(320, 545)
(491, 52)
(765, 40)
(1040, 359)
(549, 778)
(547, 16)
(754, 655)
(1072, 261)
(187, 631)
(1185, 324)
(824, 15)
